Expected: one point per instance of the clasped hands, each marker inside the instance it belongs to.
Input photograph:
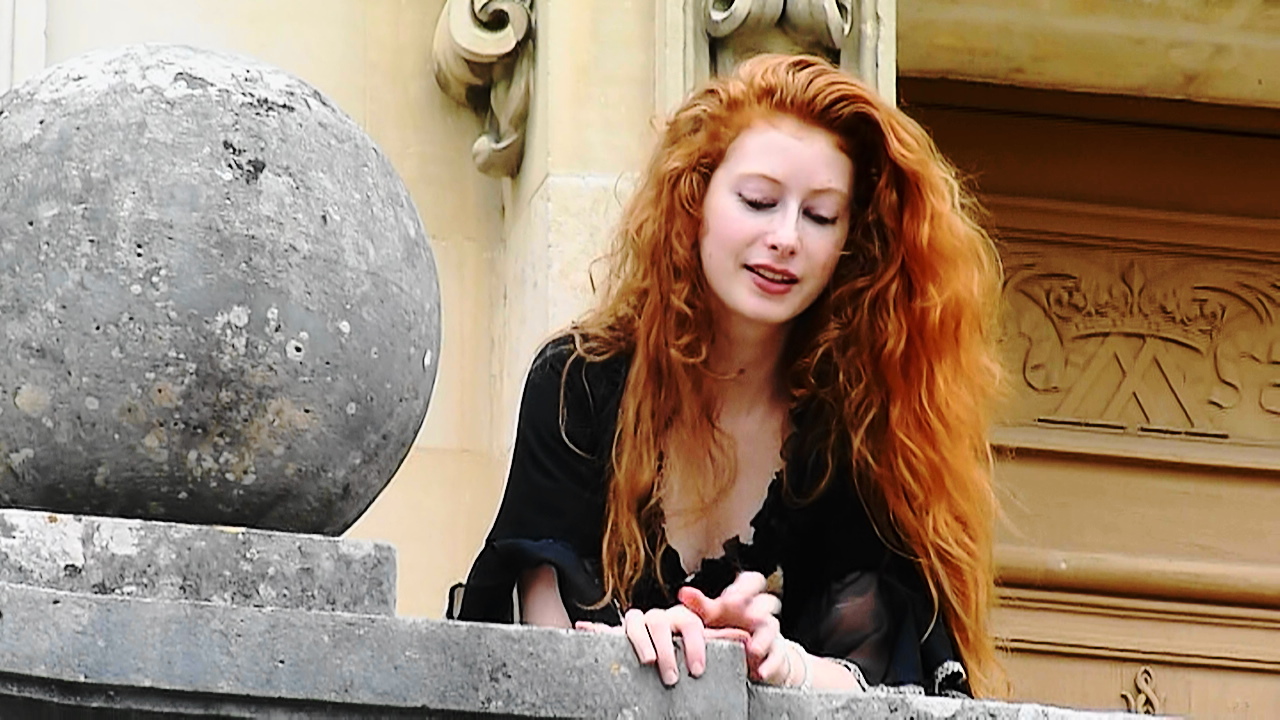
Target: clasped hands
(744, 612)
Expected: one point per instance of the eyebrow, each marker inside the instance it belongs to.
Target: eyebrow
(824, 190)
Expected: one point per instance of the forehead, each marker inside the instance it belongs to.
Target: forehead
(785, 149)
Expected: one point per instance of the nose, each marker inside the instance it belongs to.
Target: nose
(784, 237)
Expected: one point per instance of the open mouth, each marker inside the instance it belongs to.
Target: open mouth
(782, 278)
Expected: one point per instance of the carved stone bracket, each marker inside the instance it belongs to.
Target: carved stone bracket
(742, 28)
(483, 58)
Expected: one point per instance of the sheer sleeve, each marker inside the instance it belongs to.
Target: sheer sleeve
(847, 596)
(553, 507)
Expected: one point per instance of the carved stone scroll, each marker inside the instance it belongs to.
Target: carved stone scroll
(742, 28)
(818, 23)
(1178, 342)
(483, 58)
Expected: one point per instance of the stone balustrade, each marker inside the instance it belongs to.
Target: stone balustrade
(244, 641)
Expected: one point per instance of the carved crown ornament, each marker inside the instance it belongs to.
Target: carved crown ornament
(741, 28)
(1128, 303)
(483, 59)
(1161, 344)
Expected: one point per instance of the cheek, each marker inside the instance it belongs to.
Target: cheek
(830, 257)
(717, 242)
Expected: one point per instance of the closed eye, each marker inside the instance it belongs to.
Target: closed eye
(757, 204)
(821, 219)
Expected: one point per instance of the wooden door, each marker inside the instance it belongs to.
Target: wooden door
(1139, 448)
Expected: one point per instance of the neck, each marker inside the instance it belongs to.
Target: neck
(749, 359)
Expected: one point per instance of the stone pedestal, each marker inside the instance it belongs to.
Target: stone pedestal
(149, 560)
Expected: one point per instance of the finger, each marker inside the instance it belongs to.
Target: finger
(736, 598)
(689, 626)
(634, 628)
(774, 668)
(712, 611)
(762, 606)
(745, 586)
(595, 627)
(664, 647)
(763, 637)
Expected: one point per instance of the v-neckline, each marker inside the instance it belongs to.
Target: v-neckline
(729, 547)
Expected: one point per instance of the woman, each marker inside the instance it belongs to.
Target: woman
(772, 427)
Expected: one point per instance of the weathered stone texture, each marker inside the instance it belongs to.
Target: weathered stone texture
(768, 703)
(84, 656)
(218, 300)
(56, 641)
(220, 565)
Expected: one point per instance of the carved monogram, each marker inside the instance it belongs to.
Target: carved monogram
(1170, 342)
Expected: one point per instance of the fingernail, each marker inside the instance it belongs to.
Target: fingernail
(669, 677)
(695, 669)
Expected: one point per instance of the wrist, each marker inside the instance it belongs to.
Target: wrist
(802, 664)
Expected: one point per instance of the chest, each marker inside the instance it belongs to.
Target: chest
(703, 515)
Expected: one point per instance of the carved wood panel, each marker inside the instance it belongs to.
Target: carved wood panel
(1135, 338)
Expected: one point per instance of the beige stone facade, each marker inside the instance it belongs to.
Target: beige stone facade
(1132, 542)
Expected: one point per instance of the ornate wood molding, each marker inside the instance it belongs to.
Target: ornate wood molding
(1145, 700)
(1148, 631)
(1115, 574)
(483, 59)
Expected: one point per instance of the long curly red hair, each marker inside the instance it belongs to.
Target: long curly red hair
(897, 355)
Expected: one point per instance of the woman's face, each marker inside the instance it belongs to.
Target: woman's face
(775, 219)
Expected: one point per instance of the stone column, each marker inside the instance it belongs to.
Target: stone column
(590, 67)
(872, 49)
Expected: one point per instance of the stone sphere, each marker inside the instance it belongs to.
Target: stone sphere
(218, 300)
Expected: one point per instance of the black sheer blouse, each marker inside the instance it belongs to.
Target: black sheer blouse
(844, 595)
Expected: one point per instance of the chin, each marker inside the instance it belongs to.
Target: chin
(769, 318)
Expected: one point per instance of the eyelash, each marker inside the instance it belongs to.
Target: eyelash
(755, 204)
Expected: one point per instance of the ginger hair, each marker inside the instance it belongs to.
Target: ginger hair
(896, 357)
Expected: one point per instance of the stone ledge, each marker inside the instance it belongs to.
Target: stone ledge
(767, 703)
(335, 663)
(89, 656)
(173, 561)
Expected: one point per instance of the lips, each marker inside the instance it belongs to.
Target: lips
(774, 275)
